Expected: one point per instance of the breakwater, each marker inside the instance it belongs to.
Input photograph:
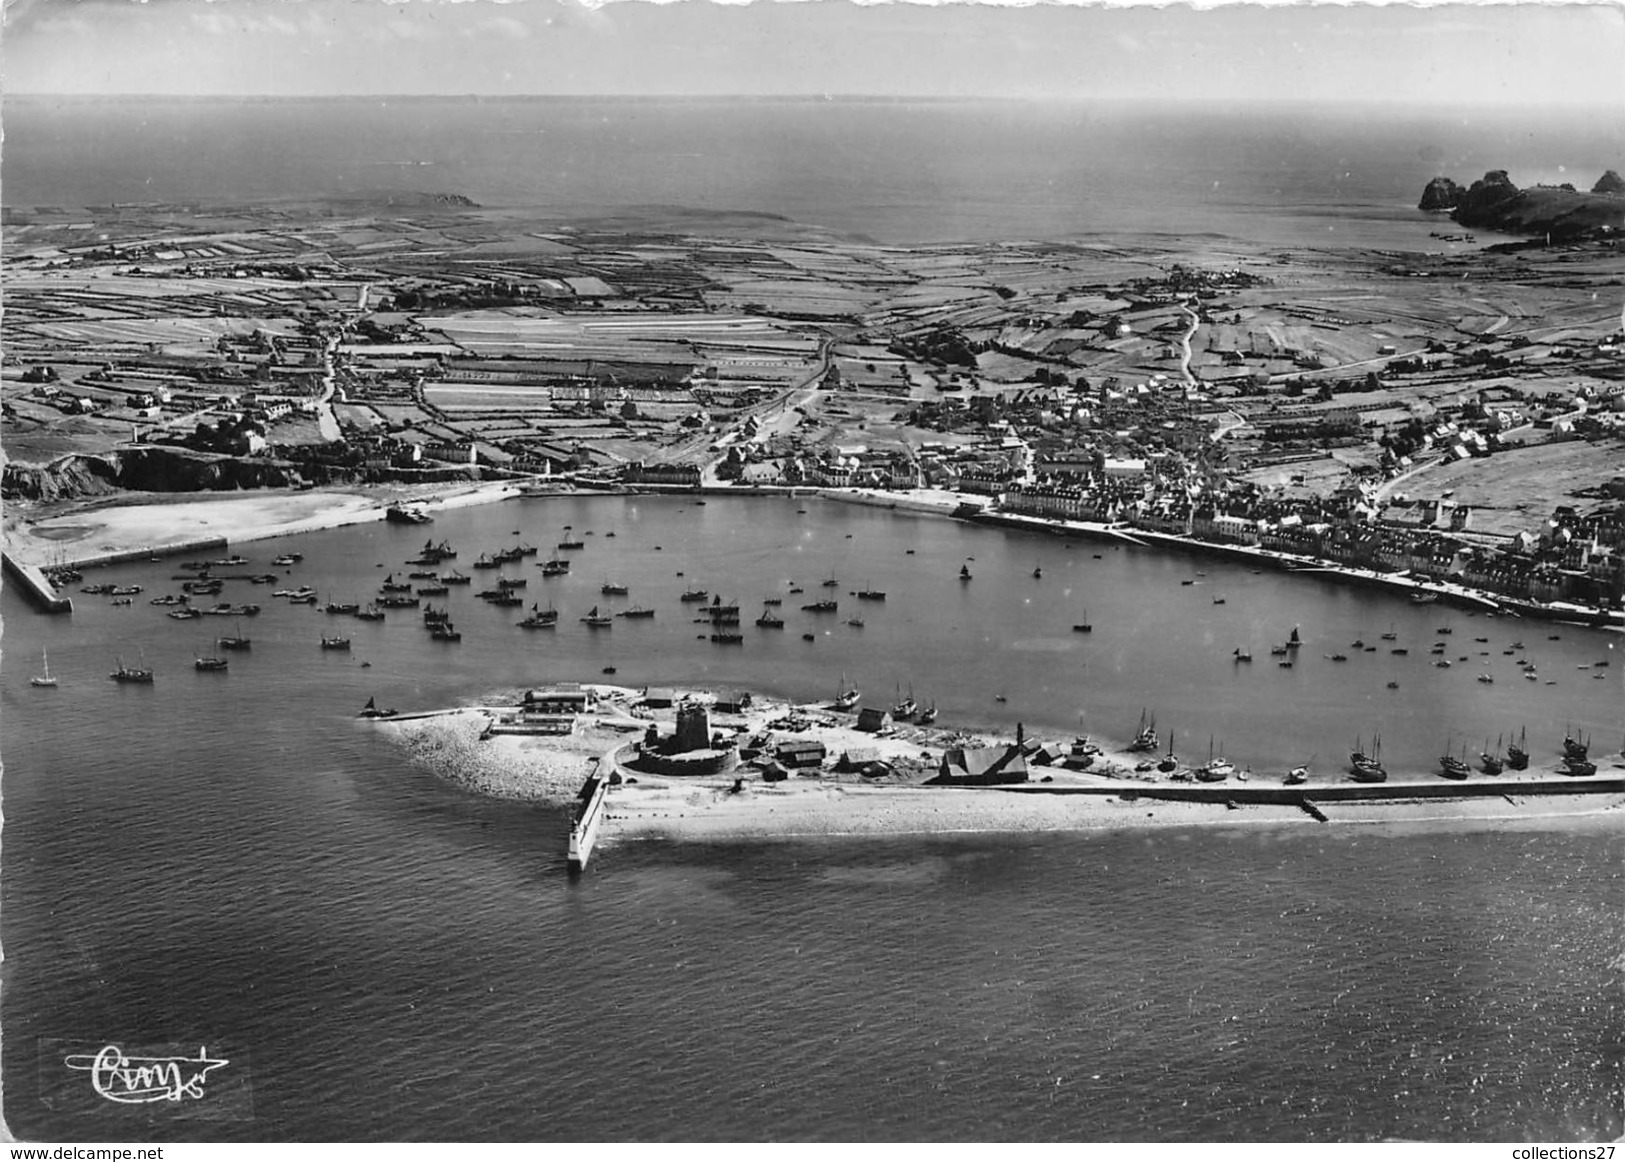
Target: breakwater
(40, 591)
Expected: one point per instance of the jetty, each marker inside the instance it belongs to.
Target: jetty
(37, 586)
(589, 815)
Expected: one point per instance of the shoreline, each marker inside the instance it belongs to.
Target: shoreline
(826, 801)
(151, 529)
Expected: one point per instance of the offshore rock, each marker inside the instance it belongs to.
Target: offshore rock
(1440, 194)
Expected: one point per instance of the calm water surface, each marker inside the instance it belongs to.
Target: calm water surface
(232, 860)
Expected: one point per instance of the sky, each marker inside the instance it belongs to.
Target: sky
(1522, 53)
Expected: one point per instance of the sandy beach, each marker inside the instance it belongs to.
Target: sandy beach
(90, 533)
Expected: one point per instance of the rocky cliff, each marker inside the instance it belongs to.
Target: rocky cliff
(142, 470)
(1493, 202)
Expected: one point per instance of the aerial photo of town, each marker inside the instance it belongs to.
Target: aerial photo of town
(936, 513)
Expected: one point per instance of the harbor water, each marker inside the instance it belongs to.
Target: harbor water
(233, 860)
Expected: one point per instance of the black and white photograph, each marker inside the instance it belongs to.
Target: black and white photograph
(811, 572)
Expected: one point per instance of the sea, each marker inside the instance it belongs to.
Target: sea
(233, 861)
(231, 865)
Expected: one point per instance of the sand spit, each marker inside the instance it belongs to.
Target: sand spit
(827, 801)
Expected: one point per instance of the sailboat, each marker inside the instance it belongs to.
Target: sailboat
(1452, 767)
(1217, 769)
(1145, 738)
(904, 707)
(44, 679)
(1518, 753)
(141, 673)
(1169, 763)
(846, 698)
(1368, 768)
(1084, 626)
(1491, 764)
(927, 716)
(596, 620)
(964, 572)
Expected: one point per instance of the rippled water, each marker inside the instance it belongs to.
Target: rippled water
(232, 860)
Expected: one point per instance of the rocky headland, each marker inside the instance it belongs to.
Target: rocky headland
(1493, 202)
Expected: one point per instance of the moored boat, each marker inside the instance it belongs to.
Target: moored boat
(335, 643)
(45, 678)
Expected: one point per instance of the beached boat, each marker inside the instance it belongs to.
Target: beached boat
(1367, 768)
(400, 514)
(1169, 763)
(1491, 763)
(1452, 767)
(846, 698)
(904, 708)
(1297, 775)
(1575, 748)
(1518, 753)
(43, 679)
(1577, 767)
(370, 710)
(1216, 770)
(927, 716)
(1145, 737)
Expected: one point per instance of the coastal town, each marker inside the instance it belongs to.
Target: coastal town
(1452, 416)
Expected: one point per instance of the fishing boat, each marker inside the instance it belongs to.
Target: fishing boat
(1293, 641)
(1491, 764)
(1216, 770)
(871, 595)
(770, 620)
(139, 674)
(820, 607)
(444, 631)
(1452, 767)
(1391, 635)
(964, 572)
(1577, 767)
(927, 716)
(728, 639)
(433, 616)
(904, 708)
(569, 545)
(370, 710)
(855, 622)
(1145, 738)
(1038, 572)
(209, 663)
(371, 613)
(434, 590)
(596, 620)
(45, 678)
(845, 697)
(235, 641)
(391, 585)
(540, 618)
(1084, 626)
(613, 589)
(288, 559)
(1240, 655)
(486, 561)
(335, 643)
(636, 613)
(555, 567)
(350, 608)
(1169, 763)
(1518, 753)
(1367, 768)
(692, 594)
(185, 614)
(1575, 748)
(402, 515)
